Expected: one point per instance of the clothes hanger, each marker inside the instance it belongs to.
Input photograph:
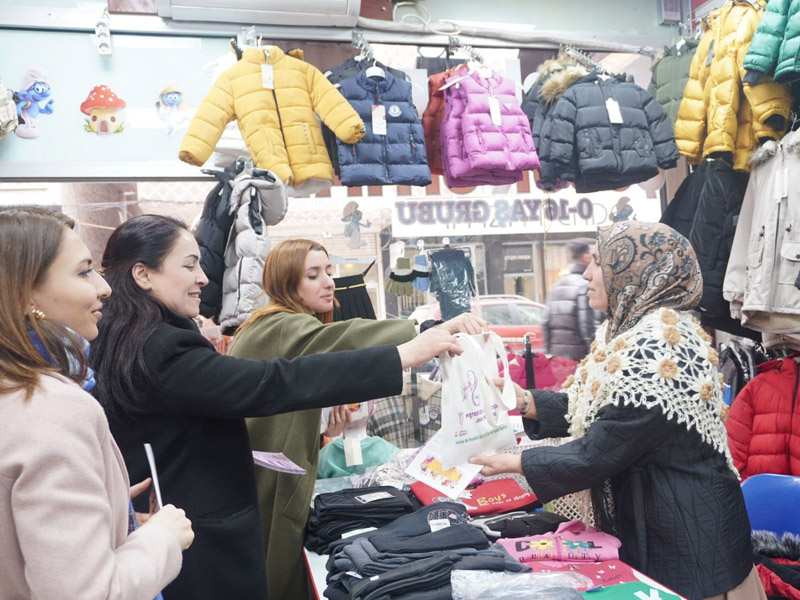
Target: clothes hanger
(375, 70)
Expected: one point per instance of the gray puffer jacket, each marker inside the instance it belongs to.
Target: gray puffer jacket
(570, 323)
(258, 199)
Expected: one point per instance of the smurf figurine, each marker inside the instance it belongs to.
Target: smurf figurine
(35, 89)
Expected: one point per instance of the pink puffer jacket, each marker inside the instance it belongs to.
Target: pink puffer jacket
(475, 150)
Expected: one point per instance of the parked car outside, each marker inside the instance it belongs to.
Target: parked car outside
(511, 317)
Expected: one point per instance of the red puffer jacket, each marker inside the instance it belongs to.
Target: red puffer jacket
(764, 421)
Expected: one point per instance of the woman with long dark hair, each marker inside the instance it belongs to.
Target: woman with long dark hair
(161, 382)
(64, 491)
(297, 321)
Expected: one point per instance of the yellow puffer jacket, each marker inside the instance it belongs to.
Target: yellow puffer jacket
(278, 125)
(719, 113)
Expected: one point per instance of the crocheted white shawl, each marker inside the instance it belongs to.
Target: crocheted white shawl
(664, 360)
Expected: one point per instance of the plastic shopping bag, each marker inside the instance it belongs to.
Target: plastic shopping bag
(474, 412)
(474, 416)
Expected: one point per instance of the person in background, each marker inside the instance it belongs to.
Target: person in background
(646, 413)
(297, 321)
(162, 382)
(64, 491)
(569, 322)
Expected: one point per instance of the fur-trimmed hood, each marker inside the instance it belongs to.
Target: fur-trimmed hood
(769, 544)
(762, 154)
(559, 82)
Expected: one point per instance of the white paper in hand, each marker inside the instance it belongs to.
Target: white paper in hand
(148, 449)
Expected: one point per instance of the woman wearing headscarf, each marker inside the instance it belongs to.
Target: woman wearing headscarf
(646, 413)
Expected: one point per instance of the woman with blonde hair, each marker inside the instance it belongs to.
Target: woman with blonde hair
(297, 321)
(64, 491)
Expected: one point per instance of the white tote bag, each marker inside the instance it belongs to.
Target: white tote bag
(474, 411)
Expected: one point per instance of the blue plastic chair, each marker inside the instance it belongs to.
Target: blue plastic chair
(773, 502)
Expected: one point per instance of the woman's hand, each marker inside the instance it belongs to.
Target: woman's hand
(338, 421)
(175, 520)
(497, 464)
(525, 402)
(136, 490)
(465, 323)
(426, 346)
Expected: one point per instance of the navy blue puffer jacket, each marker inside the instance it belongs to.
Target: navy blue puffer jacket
(395, 158)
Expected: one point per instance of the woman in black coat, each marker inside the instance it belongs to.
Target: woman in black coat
(646, 411)
(160, 381)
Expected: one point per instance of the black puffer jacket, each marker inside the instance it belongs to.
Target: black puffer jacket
(680, 513)
(569, 323)
(212, 237)
(713, 228)
(555, 77)
(595, 151)
(705, 210)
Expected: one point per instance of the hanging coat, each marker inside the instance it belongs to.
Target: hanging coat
(776, 44)
(394, 157)
(212, 238)
(478, 147)
(764, 421)
(256, 202)
(720, 113)
(432, 119)
(670, 74)
(279, 125)
(599, 152)
(765, 257)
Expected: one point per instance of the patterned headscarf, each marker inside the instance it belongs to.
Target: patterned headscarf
(646, 266)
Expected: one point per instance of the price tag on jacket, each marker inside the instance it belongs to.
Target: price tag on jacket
(378, 119)
(494, 111)
(352, 452)
(267, 77)
(614, 113)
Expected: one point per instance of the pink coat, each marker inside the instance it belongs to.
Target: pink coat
(64, 496)
(475, 150)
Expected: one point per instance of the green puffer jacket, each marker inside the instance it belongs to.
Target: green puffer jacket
(776, 43)
(670, 74)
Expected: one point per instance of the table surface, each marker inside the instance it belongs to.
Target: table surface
(316, 567)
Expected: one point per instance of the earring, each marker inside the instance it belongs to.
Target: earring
(38, 314)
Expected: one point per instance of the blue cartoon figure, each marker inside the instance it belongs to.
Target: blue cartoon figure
(171, 108)
(34, 91)
(352, 216)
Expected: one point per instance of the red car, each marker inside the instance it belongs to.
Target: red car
(511, 317)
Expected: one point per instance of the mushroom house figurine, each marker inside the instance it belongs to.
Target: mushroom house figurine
(102, 106)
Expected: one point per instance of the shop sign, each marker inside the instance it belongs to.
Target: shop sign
(517, 258)
(565, 211)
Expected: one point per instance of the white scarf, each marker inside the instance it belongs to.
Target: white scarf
(664, 360)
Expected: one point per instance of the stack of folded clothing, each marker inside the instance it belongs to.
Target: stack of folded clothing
(413, 557)
(351, 509)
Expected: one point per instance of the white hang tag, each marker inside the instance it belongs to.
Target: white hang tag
(352, 452)
(267, 77)
(437, 524)
(614, 114)
(378, 119)
(494, 111)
